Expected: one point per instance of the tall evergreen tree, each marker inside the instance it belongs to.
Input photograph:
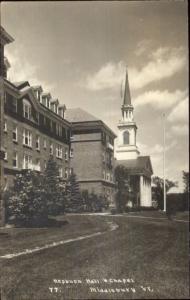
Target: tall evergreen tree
(74, 199)
(54, 188)
(122, 195)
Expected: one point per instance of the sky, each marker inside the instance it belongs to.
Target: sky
(79, 52)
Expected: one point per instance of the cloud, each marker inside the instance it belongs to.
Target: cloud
(180, 129)
(163, 63)
(159, 99)
(109, 76)
(142, 46)
(156, 150)
(22, 70)
(179, 112)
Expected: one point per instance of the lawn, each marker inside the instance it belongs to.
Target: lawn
(151, 255)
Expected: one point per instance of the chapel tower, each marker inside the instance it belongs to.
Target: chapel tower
(127, 128)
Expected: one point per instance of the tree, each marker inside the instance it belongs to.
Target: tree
(74, 198)
(158, 189)
(186, 182)
(122, 181)
(87, 205)
(26, 203)
(54, 188)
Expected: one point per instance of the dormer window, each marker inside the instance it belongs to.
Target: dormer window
(47, 102)
(61, 111)
(27, 109)
(44, 101)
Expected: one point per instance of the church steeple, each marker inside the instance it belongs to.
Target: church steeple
(127, 108)
(127, 129)
(127, 95)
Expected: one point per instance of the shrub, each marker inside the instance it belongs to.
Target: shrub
(27, 202)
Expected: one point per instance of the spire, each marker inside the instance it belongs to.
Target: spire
(127, 96)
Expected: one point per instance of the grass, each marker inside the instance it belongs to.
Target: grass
(152, 252)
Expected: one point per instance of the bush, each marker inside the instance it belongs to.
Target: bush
(26, 203)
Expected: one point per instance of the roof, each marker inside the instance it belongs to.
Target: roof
(135, 166)
(37, 87)
(127, 95)
(46, 94)
(5, 36)
(79, 115)
(21, 84)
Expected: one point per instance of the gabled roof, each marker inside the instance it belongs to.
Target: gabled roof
(37, 87)
(141, 164)
(62, 107)
(46, 94)
(5, 37)
(54, 101)
(21, 84)
(79, 115)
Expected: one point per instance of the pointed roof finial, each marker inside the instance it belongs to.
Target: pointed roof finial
(127, 95)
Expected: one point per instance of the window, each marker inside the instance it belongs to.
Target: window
(66, 154)
(5, 156)
(104, 156)
(44, 101)
(44, 121)
(59, 151)
(15, 159)
(5, 125)
(107, 176)
(27, 138)
(71, 152)
(126, 137)
(60, 172)
(27, 110)
(38, 142)
(51, 125)
(66, 173)
(14, 132)
(58, 129)
(51, 148)
(27, 162)
(5, 98)
(37, 165)
(45, 144)
(14, 105)
(48, 103)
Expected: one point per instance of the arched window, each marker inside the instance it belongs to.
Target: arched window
(126, 137)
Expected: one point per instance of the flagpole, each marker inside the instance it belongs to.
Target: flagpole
(164, 160)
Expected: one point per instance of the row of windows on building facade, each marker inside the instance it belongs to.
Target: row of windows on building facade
(27, 141)
(41, 119)
(53, 105)
(29, 163)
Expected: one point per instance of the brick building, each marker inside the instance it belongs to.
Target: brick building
(36, 126)
(92, 153)
(34, 130)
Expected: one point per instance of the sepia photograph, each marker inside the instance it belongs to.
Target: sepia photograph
(94, 142)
